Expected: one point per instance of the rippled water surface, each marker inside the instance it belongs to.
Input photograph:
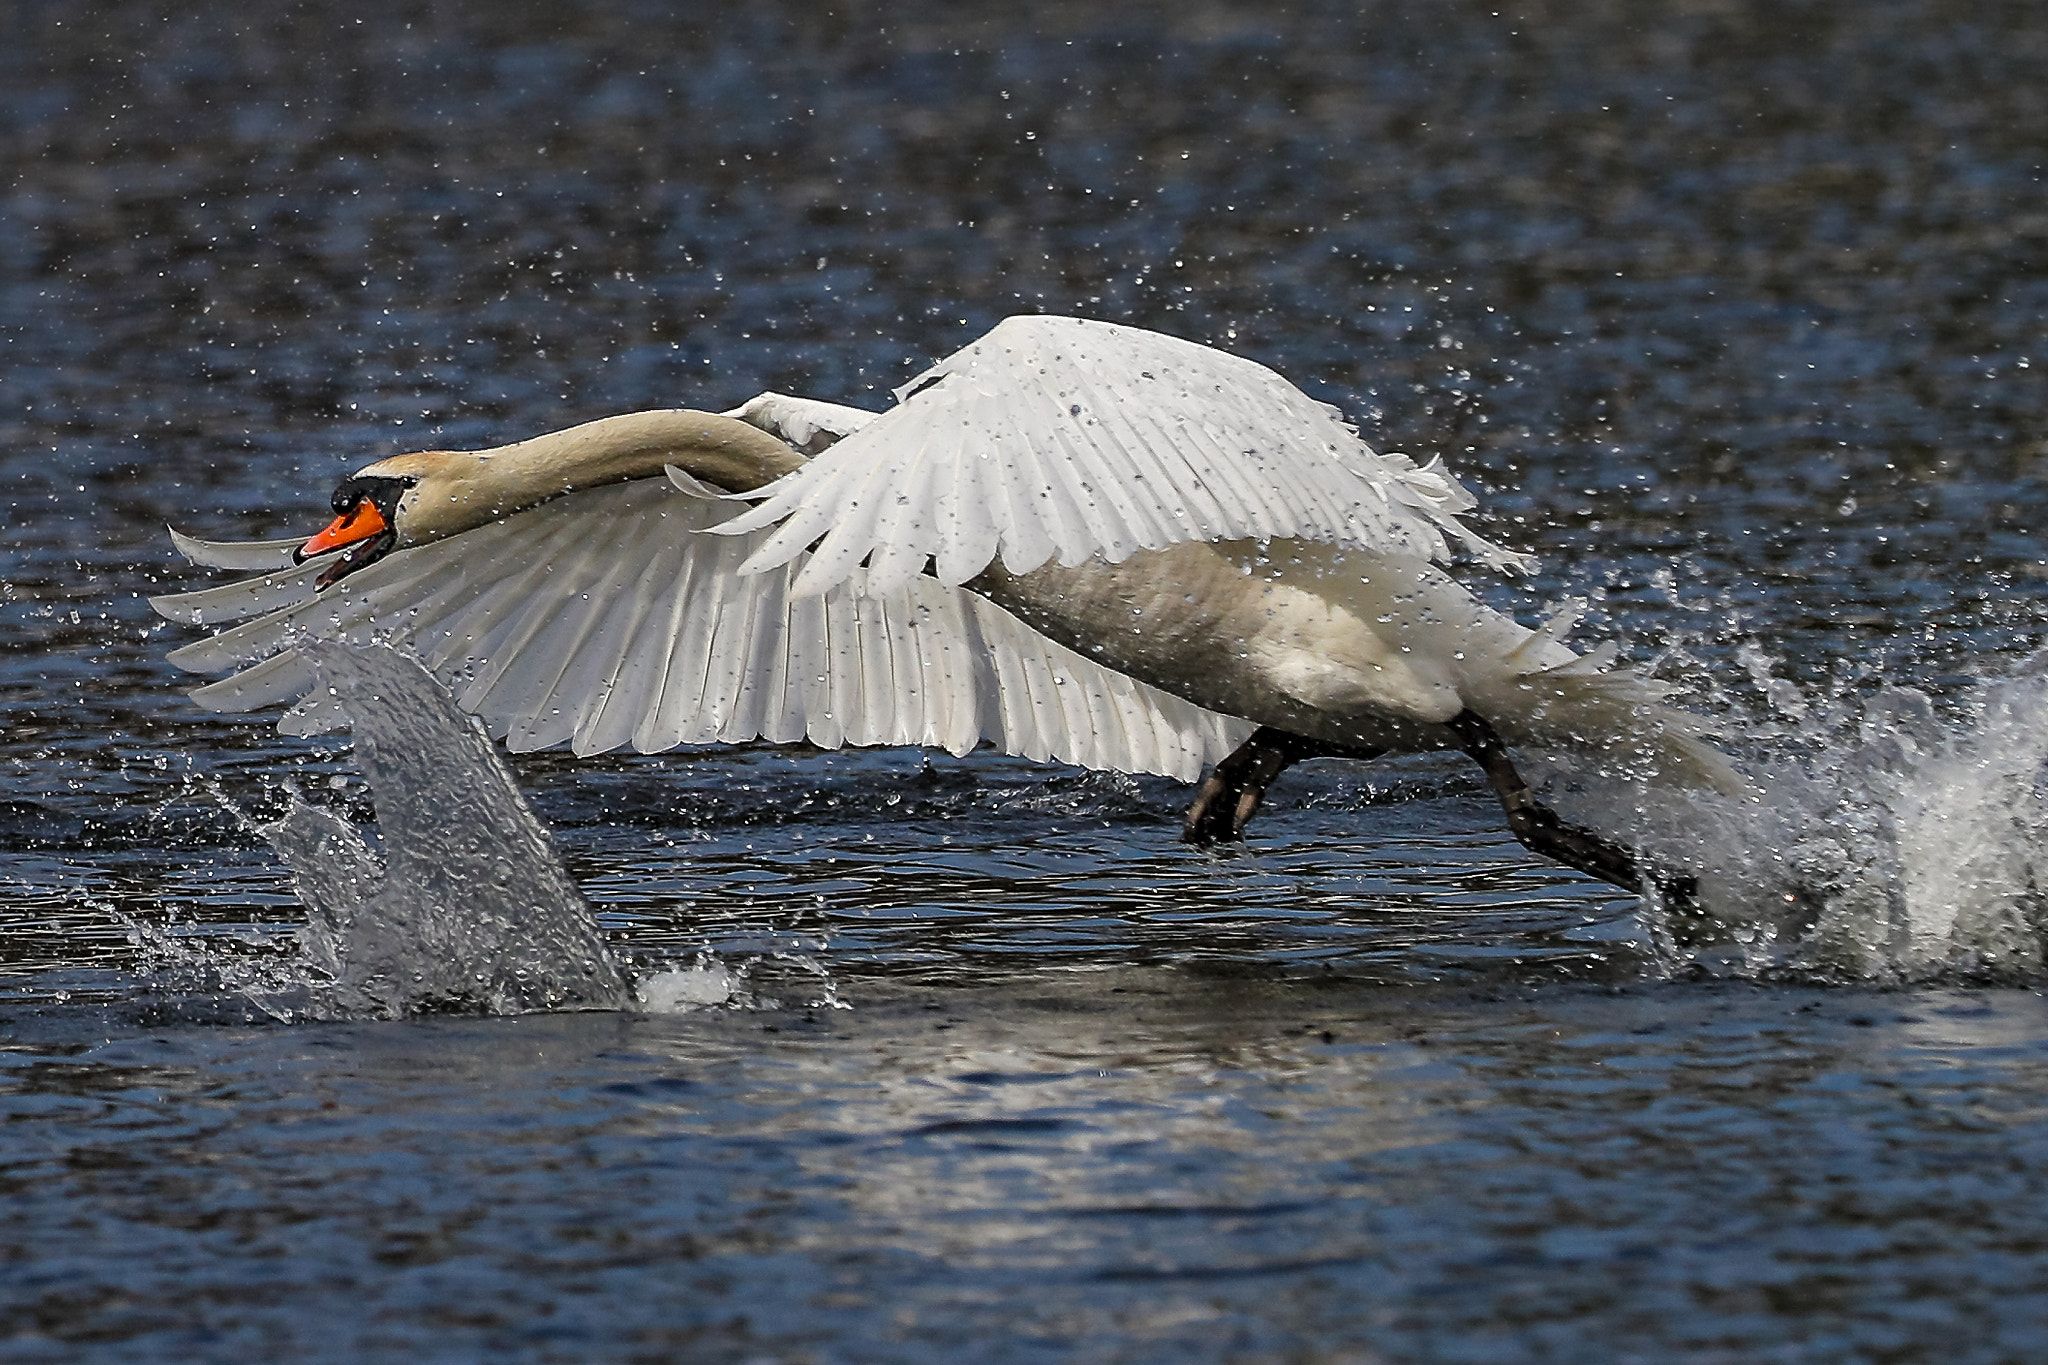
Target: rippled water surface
(1735, 313)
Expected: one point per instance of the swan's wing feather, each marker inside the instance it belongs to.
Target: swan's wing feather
(235, 554)
(243, 598)
(1091, 439)
(606, 618)
(281, 678)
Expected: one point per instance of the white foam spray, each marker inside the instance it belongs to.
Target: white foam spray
(1886, 838)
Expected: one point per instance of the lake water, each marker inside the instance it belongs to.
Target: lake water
(1733, 313)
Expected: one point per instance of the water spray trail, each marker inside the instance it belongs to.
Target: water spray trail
(1884, 839)
(471, 908)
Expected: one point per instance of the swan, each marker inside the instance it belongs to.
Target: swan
(1072, 539)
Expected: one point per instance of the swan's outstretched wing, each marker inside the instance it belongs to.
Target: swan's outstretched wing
(606, 618)
(1059, 437)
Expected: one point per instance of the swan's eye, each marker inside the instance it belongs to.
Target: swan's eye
(383, 490)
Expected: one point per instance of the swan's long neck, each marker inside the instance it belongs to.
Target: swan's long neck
(458, 490)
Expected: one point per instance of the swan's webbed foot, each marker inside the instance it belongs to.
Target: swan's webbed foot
(1232, 793)
(1543, 831)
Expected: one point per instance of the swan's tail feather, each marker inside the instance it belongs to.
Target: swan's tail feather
(1588, 706)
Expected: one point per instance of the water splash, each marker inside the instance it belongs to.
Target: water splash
(1887, 838)
(718, 982)
(466, 908)
(469, 907)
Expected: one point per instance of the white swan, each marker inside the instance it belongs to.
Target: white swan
(1072, 539)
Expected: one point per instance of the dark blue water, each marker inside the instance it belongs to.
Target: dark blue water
(1138, 1165)
(1735, 313)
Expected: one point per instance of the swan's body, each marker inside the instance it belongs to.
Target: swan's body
(1071, 539)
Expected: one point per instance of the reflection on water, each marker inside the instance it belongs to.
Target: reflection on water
(1119, 1164)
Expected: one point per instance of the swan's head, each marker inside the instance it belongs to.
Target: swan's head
(377, 510)
(409, 500)
(429, 495)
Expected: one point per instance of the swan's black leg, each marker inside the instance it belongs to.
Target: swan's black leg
(1227, 800)
(1542, 831)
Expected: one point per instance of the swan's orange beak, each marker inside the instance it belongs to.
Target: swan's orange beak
(359, 523)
